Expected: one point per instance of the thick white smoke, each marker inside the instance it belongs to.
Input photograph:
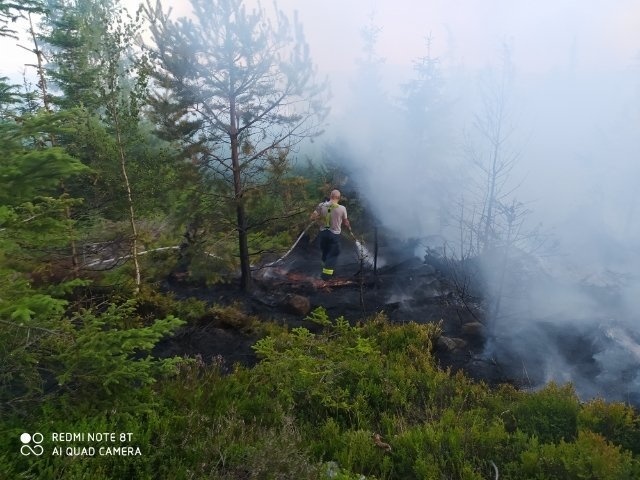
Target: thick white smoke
(571, 136)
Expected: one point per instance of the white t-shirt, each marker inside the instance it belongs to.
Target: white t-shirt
(332, 216)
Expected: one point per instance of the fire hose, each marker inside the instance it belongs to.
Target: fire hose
(363, 252)
(292, 247)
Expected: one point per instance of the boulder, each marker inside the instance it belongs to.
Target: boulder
(297, 304)
(474, 329)
(449, 344)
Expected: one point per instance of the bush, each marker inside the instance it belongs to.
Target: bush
(617, 422)
(589, 457)
(550, 414)
(309, 410)
(106, 361)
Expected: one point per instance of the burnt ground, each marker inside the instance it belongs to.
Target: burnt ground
(601, 357)
(403, 286)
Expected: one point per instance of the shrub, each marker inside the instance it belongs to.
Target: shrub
(589, 457)
(550, 414)
(309, 410)
(106, 361)
(617, 422)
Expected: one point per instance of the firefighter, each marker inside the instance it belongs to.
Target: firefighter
(332, 216)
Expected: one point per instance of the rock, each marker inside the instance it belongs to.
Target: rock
(450, 344)
(447, 344)
(297, 304)
(460, 343)
(474, 329)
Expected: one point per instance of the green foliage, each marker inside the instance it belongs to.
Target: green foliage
(378, 377)
(320, 316)
(110, 360)
(151, 304)
(33, 229)
(95, 354)
(11, 10)
(75, 34)
(31, 168)
(10, 98)
(550, 414)
(310, 409)
(328, 377)
(29, 328)
(589, 457)
(617, 422)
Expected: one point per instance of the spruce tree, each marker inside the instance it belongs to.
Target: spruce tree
(11, 10)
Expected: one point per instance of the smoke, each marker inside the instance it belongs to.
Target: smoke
(560, 261)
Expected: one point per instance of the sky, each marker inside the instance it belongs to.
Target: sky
(574, 107)
(544, 34)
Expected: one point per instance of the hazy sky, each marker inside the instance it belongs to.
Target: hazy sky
(544, 33)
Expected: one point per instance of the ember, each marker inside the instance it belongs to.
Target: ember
(282, 277)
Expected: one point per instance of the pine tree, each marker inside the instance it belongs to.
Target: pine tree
(249, 81)
(423, 102)
(75, 31)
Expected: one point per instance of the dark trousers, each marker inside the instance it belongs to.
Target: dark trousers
(330, 247)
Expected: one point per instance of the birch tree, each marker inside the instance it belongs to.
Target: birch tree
(91, 43)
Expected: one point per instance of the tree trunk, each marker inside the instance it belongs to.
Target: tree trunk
(132, 220)
(493, 176)
(245, 266)
(42, 83)
(241, 216)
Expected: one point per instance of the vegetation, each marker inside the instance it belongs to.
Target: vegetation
(251, 86)
(11, 10)
(310, 409)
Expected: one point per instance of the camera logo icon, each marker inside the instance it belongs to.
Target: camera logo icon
(31, 444)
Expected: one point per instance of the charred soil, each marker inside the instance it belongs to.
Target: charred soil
(402, 286)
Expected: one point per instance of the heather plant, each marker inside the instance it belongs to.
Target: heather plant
(348, 382)
(589, 456)
(342, 372)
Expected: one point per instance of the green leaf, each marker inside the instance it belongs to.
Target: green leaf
(22, 314)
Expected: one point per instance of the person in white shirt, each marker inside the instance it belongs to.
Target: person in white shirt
(333, 216)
